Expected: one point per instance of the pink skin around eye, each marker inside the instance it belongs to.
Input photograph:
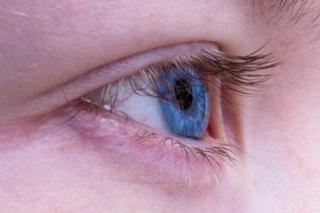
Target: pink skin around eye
(92, 161)
(162, 162)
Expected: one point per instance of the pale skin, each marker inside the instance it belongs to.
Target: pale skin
(47, 167)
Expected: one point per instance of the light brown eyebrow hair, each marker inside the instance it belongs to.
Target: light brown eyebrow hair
(293, 12)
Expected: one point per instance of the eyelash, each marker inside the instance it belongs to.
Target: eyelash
(236, 73)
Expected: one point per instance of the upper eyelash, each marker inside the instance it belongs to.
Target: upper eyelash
(241, 74)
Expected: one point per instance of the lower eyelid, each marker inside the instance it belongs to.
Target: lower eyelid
(142, 156)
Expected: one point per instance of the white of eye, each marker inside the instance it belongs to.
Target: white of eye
(141, 108)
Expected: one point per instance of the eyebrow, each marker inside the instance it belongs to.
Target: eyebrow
(293, 12)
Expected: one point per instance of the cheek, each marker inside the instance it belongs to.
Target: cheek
(54, 168)
(139, 158)
(282, 130)
(289, 116)
(58, 173)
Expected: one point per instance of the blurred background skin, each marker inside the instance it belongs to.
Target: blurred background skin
(45, 44)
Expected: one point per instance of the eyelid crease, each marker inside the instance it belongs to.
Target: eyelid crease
(52, 100)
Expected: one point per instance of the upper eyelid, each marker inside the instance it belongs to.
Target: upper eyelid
(150, 60)
(237, 73)
(139, 61)
(97, 77)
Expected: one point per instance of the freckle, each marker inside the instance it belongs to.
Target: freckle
(209, 19)
(64, 148)
(135, 207)
(56, 210)
(151, 15)
(297, 162)
(60, 149)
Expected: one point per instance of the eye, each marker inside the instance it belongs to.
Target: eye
(180, 101)
(174, 96)
(174, 99)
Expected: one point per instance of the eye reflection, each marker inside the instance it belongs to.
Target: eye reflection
(185, 108)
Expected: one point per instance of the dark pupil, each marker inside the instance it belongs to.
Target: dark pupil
(183, 94)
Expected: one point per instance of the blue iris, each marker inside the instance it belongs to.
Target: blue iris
(185, 103)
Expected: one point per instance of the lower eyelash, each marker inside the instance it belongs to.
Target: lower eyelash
(196, 160)
(214, 154)
(210, 154)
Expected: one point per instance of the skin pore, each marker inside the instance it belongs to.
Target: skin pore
(54, 52)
